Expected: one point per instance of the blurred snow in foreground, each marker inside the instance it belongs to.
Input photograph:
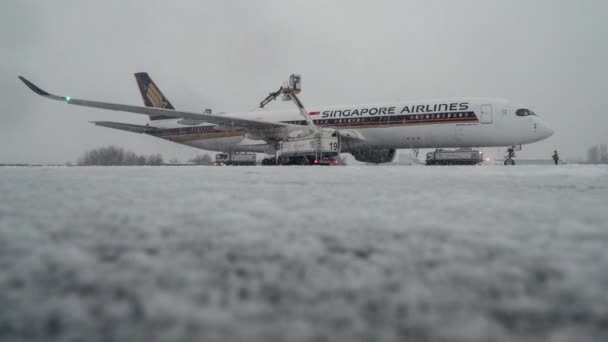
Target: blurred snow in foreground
(357, 253)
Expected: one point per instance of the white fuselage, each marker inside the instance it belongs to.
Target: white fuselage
(454, 122)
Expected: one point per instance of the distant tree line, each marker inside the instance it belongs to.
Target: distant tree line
(113, 155)
(598, 154)
(202, 159)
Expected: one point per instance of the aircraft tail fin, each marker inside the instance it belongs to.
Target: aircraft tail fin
(152, 95)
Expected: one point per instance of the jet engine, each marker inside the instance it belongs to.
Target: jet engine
(376, 156)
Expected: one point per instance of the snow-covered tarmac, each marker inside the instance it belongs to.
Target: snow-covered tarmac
(356, 253)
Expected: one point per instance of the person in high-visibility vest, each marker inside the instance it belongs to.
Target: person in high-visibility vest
(555, 157)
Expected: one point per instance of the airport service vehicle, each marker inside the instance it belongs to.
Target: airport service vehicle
(235, 158)
(370, 132)
(462, 156)
(306, 147)
(310, 149)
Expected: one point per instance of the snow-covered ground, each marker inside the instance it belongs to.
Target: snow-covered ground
(356, 253)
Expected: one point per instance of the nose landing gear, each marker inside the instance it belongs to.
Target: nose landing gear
(511, 154)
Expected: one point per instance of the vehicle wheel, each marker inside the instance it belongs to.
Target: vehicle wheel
(509, 162)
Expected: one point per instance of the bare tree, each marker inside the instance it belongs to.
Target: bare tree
(593, 156)
(603, 154)
(130, 158)
(113, 155)
(597, 154)
(154, 159)
(110, 155)
(202, 159)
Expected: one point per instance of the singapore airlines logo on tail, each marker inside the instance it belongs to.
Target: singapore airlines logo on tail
(157, 99)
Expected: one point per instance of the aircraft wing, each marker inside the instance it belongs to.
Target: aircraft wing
(225, 121)
(125, 126)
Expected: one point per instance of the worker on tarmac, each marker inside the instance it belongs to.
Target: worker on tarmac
(555, 157)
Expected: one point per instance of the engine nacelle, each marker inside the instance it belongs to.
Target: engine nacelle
(376, 156)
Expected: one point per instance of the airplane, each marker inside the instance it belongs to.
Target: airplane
(371, 133)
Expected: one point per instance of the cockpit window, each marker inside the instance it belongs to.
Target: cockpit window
(524, 112)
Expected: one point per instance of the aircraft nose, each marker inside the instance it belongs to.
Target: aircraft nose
(545, 130)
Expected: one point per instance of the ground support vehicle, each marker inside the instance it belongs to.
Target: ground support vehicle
(235, 158)
(312, 145)
(462, 156)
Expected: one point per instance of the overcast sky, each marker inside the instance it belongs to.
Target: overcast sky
(550, 54)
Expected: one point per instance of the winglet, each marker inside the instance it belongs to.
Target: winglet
(41, 92)
(33, 87)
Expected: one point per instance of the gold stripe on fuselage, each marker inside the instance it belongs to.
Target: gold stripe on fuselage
(396, 123)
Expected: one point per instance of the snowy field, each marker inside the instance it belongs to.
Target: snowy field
(356, 253)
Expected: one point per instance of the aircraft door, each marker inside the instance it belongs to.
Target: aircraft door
(486, 114)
